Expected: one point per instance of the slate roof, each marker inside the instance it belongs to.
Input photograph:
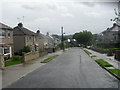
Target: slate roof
(47, 37)
(22, 31)
(115, 28)
(5, 27)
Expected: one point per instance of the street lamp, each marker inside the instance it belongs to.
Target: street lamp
(62, 38)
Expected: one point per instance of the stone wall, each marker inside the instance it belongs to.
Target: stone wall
(30, 56)
(1, 61)
(43, 53)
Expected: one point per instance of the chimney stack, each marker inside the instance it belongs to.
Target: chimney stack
(20, 25)
(38, 32)
(47, 33)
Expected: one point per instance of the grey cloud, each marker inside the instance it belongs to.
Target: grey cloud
(30, 7)
(53, 7)
(40, 6)
(89, 4)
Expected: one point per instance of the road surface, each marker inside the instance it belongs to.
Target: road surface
(68, 70)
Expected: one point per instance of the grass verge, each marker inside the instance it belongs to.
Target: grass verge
(115, 71)
(103, 63)
(93, 56)
(87, 52)
(49, 59)
(12, 62)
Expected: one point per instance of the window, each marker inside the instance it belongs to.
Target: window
(6, 50)
(30, 38)
(2, 33)
(1, 50)
(8, 34)
(27, 39)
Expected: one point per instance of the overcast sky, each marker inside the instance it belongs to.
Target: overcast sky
(50, 15)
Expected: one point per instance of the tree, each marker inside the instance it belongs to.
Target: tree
(84, 37)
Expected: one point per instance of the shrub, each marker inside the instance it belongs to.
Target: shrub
(26, 49)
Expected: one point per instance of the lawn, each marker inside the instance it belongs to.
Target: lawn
(103, 63)
(115, 71)
(49, 59)
(12, 62)
(87, 51)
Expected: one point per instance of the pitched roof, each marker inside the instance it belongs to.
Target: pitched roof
(3, 26)
(22, 31)
(49, 38)
(114, 28)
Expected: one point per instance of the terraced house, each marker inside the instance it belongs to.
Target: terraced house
(6, 41)
(24, 37)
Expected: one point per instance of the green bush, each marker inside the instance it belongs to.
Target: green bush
(100, 50)
(16, 58)
(26, 49)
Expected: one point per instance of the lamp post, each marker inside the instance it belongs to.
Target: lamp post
(62, 38)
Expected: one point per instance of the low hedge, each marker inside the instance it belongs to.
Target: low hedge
(100, 50)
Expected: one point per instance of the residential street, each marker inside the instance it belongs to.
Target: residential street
(68, 70)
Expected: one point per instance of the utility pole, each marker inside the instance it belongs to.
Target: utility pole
(62, 38)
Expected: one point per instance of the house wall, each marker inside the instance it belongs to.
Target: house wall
(41, 44)
(108, 37)
(19, 42)
(8, 40)
(29, 40)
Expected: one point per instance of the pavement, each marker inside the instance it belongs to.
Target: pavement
(72, 69)
(109, 59)
(12, 74)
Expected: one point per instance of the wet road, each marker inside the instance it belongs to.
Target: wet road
(68, 70)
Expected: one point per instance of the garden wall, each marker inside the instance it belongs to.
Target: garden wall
(1, 61)
(30, 56)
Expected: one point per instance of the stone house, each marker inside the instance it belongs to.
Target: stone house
(57, 40)
(24, 37)
(111, 34)
(46, 42)
(6, 41)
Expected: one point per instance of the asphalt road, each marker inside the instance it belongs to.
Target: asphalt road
(68, 70)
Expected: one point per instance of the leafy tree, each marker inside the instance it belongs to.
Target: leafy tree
(84, 37)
